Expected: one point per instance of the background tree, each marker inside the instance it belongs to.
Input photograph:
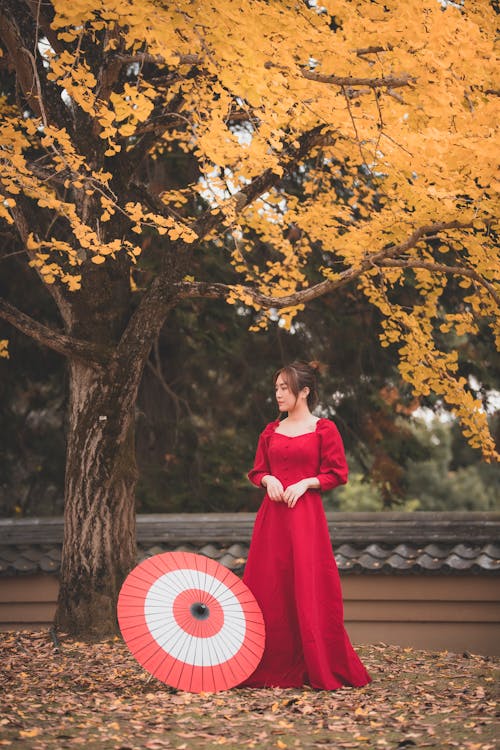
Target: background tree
(243, 100)
(205, 395)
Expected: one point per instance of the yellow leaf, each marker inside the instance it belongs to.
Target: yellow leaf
(30, 732)
(66, 36)
(98, 259)
(127, 129)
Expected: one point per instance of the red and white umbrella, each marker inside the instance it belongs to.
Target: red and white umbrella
(191, 622)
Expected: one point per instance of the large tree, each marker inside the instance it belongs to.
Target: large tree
(138, 137)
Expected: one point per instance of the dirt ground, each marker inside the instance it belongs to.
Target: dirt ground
(58, 694)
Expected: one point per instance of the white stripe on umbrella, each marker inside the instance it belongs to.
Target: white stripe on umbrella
(173, 638)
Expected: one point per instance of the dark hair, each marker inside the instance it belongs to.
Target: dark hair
(299, 375)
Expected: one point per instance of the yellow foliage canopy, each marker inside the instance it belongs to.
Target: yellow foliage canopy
(369, 128)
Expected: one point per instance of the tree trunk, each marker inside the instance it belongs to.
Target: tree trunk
(99, 546)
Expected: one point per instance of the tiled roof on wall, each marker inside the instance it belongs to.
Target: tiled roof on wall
(364, 543)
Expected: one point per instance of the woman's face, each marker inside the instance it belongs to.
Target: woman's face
(284, 395)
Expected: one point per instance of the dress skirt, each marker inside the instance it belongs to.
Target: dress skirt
(291, 571)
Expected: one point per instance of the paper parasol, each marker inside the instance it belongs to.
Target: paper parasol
(191, 622)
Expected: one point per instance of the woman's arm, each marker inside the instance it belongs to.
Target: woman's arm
(260, 474)
(261, 466)
(333, 465)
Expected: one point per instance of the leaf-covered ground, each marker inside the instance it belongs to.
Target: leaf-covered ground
(65, 694)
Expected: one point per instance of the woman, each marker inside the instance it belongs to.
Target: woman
(291, 569)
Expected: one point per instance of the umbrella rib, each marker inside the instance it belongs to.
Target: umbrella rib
(186, 643)
(215, 586)
(167, 629)
(201, 571)
(192, 578)
(160, 563)
(191, 573)
(249, 643)
(151, 656)
(232, 641)
(214, 646)
(211, 661)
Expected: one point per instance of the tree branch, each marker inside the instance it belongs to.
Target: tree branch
(144, 57)
(53, 339)
(20, 36)
(41, 18)
(405, 79)
(390, 82)
(134, 157)
(190, 289)
(14, 43)
(373, 50)
(314, 137)
(20, 214)
(441, 268)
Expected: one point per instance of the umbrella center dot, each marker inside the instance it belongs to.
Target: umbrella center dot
(200, 611)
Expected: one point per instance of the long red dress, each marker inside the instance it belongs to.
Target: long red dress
(291, 569)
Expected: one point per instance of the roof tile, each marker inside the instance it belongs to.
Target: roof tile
(155, 550)
(10, 554)
(349, 552)
(428, 562)
(210, 550)
(436, 551)
(457, 562)
(368, 545)
(343, 563)
(399, 562)
(48, 565)
(30, 553)
(404, 550)
(369, 563)
(22, 565)
(54, 553)
(229, 561)
(466, 551)
(493, 550)
(488, 563)
(238, 551)
(375, 550)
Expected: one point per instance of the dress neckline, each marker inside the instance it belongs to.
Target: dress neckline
(302, 434)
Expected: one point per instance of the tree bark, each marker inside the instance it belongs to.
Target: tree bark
(99, 546)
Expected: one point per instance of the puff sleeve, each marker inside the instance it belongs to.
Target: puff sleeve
(261, 463)
(333, 465)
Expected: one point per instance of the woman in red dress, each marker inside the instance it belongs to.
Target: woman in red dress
(291, 569)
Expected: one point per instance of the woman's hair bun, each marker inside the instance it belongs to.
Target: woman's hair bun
(318, 367)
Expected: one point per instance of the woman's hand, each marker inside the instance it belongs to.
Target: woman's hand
(294, 491)
(274, 488)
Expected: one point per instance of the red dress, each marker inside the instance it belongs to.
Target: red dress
(291, 569)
